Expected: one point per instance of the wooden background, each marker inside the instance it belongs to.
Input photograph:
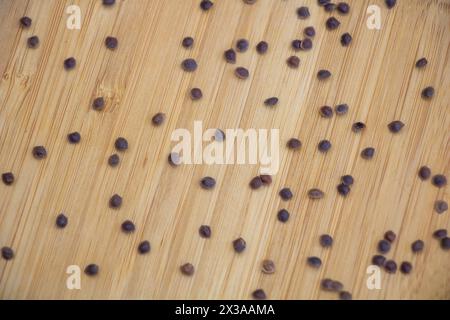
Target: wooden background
(40, 103)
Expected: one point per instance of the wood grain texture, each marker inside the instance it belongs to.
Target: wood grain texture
(40, 103)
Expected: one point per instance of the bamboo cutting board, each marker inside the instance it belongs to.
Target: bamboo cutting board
(40, 103)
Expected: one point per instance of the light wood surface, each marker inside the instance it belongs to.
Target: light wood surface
(40, 103)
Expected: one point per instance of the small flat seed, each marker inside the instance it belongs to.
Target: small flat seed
(250, 1)
(158, 118)
(293, 62)
(424, 173)
(113, 160)
(262, 47)
(91, 269)
(332, 23)
(306, 44)
(144, 247)
(343, 8)
(271, 102)
(109, 2)
(266, 179)
(417, 246)
(39, 152)
(346, 39)
(390, 3)
(286, 194)
(241, 73)
(384, 246)
(242, 45)
(347, 180)
(259, 294)
(8, 178)
(33, 42)
(205, 5)
(74, 137)
(187, 42)
(189, 65)
(440, 206)
(327, 284)
(378, 260)
(230, 56)
(368, 153)
(128, 226)
(207, 183)
(283, 215)
(111, 43)
(422, 62)
(428, 93)
(70, 63)
(390, 266)
(303, 13)
(324, 146)
(256, 183)
(174, 159)
(205, 231)
(61, 221)
(329, 7)
(7, 253)
(296, 45)
(440, 233)
(445, 243)
(268, 267)
(343, 189)
(405, 267)
(322, 2)
(326, 241)
(98, 103)
(323, 74)
(219, 135)
(395, 126)
(294, 144)
(390, 236)
(187, 269)
(239, 245)
(309, 32)
(341, 109)
(121, 144)
(439, 180)
(25, 22)
(315, 194)
(115, 201)
(196, 94)
(314, 262)
(358, 127)
(345, 295)
(326, 111)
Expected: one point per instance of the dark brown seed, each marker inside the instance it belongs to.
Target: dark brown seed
(329, 7)
(113, 160)
(205, 5)
(440, 233)
(286, 194)
(271, 102)
(239, 245)
(242, 45)
(424, 173)
(74, 137)
(187, 269)
(346, 39)
(70, 63)
(336, 286)
(390, 3)
(322, 2)
(390, 266)
(439, 180)
(368, 153)
(189, 65)
(266, 179)
(174, 159)
(323, 74)
(315, 194)
(445, 243)
(343, 8)
(314, 262)
(390, 236)
(343, 189)
(293, 62)
(332, 23)
(324, 145)
(39, 152)
(8, 178)
(306, 44)
(259, 294)
(256, 183)
(128, 226)
(428, 93)
(378, 260)
(61, 221)
(7, 253)
(327, 284)
(25, 22)
(144, 247)
(241, 73)
(91, 269)
(303, 13)
(345, 295)
(207, 183)
(33, 42)
(417, 246)
(196, 94)
(111, 43)
(309, 32)
(326, 240)
(440, 206)
(262, 47)
(268, 267)
(121, 144)
(283, 215)
(341, 109)
(158, 118)
(98, 103)
(422, 62)
(384, 246)
(205, 231)
(115, 201)
(395, 126)
(187, 42)
(109, 2)
(405, 267)
(347, 180)
(250, 1)
(326, 112)
(358, 127)
(230, 56)
(294, 144)
(296, 44)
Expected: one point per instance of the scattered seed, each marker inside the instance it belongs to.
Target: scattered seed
(230, 56)
(343, 189)
(144, 247)
(25, 22)
(286, 194)
(395, 126)
(115, 201)
(323, 74)
(306, 44)
(39, 152)
(384, 246)
(326, 241)
(70, 63)
(422, 62)
(439, 180)
(241, 73)
(326, 112)
(256, 183)
(189, 65)
(390, 266)
(314, 262)
(378, 260)
(250, 1)
(390, 3)
(242, 45)
(268, 267)
(405, 267)
(294, 144)
(346, 39)
(424, 173)
(417, 246)
(368, 153)
(207, 183)
(113, 160)
(296, 45)
(121, 144)
(303, 13)
(205, 5)
(347, 180)
(309, 32)
(390, 236)
(109, 2)
(8, 178)
(341, 109)
(322, 2)
(219, 135)
(440, 206)
(98, 103)
(262, 47)
(239, 245)
(158, 118)
(345, 295)
(205, 231)
(315, 194)
(111, 43)
(293, 62)
(187, 269)
(196, 94)
(440, 233)
(128, 226)
(33, 42)
(61, 221)
(7, 253)
(332, 23)
(174, 159)
(259, 294)
(428, 93)
(74, 137)
(343, 8)
(327, 284)
(266, 179)
(329, 7)
(271, 102)
(324, 145)
(283, 215)
(358, 127)
(187, 42)
(91, 269)
(445, 243)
